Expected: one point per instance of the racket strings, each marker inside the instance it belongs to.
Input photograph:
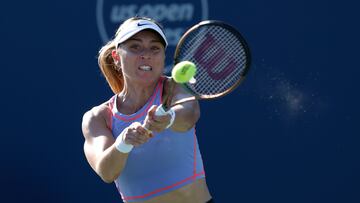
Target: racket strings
(222, 55)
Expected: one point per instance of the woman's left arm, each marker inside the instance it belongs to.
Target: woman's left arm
(187, 113)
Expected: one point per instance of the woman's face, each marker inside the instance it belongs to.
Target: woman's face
(142, 57)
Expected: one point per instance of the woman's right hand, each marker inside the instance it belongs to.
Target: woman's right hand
(136, 134)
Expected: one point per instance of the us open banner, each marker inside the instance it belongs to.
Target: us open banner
(175, 16)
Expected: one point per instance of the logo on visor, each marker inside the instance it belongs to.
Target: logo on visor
(142, 24)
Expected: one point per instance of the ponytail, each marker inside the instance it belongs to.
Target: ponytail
(108, 68)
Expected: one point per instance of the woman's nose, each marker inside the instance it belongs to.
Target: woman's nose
(145, 54)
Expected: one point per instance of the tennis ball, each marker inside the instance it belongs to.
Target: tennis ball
(183, 72)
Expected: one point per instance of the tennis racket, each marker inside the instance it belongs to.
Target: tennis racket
(222, 58)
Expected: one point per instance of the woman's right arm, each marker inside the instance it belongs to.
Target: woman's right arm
(99, 146)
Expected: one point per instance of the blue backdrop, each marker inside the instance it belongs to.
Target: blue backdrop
(289, 134)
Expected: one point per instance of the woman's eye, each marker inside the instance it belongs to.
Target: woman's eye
(155, 48)
(135, 46)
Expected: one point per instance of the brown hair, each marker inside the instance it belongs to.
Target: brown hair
(112, 73)
(108, 68)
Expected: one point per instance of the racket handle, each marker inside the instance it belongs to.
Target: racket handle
(160, 111)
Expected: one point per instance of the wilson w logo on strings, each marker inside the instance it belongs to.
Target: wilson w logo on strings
(211, 62)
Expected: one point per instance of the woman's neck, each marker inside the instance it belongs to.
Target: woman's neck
(133, 98)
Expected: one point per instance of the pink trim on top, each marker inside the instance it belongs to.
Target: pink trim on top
(193, 177)
(138, 115)
(194, 153)
(162, 79)
(195, 143)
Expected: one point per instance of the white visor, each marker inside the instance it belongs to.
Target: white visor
(136, 26)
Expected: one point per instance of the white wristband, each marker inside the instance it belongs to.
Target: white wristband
(121, 146)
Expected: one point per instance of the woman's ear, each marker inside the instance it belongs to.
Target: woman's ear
(115, 56)
(116, 59)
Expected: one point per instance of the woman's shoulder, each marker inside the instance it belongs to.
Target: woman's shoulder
(101, 112)
(96, 120)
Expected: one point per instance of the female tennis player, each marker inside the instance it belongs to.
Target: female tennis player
(165, 164)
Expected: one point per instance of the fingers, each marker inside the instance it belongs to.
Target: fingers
(136, 135)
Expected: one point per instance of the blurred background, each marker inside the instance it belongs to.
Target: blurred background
(288, 134)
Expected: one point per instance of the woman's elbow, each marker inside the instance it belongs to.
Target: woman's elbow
(107, 180)
(106, 176)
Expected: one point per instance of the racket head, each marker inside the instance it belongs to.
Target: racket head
(221, 55)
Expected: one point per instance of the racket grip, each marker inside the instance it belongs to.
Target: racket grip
(160, 111)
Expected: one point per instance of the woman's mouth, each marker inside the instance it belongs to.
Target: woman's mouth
(145, 68)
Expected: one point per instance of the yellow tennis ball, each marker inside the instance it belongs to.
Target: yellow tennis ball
(183, 72)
